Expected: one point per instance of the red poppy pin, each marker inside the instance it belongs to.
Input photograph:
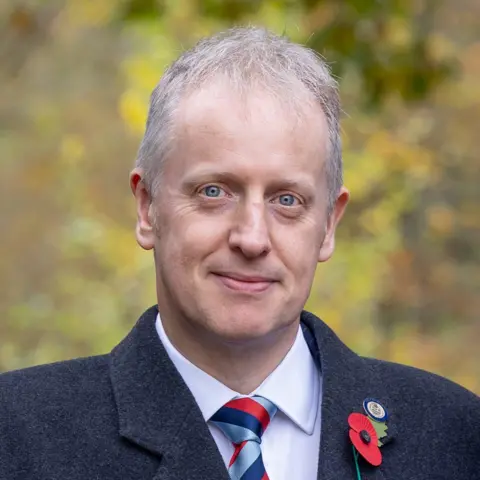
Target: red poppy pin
(364, 438)
(366, 432)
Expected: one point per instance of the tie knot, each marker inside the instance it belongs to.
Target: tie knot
(245, 418)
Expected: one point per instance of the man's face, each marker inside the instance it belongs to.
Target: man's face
(240, 220)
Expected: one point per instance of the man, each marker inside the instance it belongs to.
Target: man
(238, 188)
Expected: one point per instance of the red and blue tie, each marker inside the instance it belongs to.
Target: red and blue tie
(244, 421)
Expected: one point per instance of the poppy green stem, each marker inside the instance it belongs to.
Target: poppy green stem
(357, 467)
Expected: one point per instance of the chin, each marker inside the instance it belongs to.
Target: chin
(242, 327)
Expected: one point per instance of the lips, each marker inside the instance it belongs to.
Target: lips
(244, 283)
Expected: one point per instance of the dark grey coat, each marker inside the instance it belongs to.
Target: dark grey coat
(129, 416)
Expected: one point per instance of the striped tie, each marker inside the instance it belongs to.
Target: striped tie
(243, 421)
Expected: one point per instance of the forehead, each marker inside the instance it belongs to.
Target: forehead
(217, 125)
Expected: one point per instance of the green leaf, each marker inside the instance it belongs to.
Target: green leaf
(381, 430)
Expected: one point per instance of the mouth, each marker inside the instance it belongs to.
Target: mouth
(244, 284)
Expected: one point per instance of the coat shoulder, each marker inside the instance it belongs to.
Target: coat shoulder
(414, 384)
(434, 422)
(32, 377)
(437, 417)
(28, 392)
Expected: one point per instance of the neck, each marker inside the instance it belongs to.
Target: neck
(240, 365)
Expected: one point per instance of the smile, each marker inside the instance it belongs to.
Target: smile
(245, 286)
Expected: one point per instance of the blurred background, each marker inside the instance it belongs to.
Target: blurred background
(75, 80)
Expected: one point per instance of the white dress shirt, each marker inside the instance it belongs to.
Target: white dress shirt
(290, 445)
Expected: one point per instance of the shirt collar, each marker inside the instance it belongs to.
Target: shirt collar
(296, 373)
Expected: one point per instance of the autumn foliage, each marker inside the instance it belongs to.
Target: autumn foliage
(76, 77)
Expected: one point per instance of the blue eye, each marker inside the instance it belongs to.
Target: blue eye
(287, 200)
(212, 191)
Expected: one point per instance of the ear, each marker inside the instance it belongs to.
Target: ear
(328, 245)
(144, 231)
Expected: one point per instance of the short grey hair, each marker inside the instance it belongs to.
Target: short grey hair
(246, 56)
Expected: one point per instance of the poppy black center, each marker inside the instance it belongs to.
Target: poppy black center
(364, 435)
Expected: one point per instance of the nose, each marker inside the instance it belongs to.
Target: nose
(250, 233)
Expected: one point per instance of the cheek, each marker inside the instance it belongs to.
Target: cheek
(186, 241)
(299, 251)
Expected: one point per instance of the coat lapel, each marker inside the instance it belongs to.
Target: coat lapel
(347, 382)
(156, 410)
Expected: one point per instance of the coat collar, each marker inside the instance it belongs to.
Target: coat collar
(158, 413)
